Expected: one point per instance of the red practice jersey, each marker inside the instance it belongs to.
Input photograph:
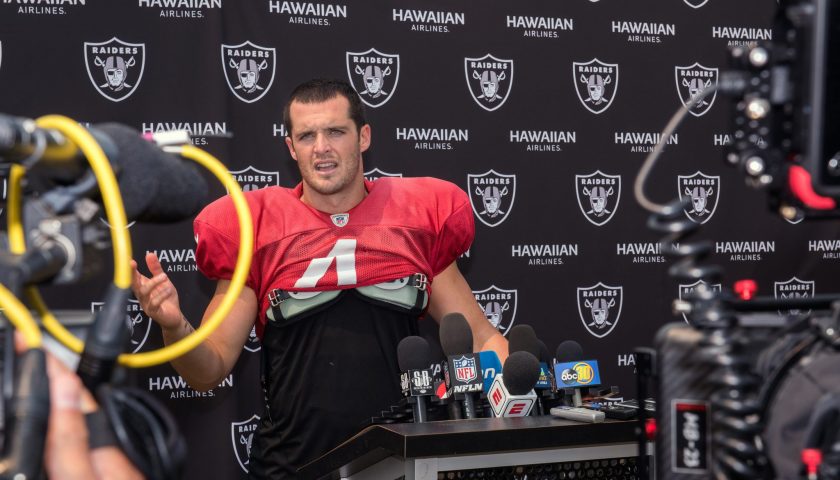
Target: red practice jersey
(403, 226)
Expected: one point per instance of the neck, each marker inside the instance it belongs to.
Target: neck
(340, 202)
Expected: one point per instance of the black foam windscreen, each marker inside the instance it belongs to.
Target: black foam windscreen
(455, 334)
(522, 338)
(520, 372)
(544, 356)
(156, 186)
(568, 351)
(413, 353)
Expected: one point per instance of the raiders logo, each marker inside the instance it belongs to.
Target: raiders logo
(499, 306)
(704, 192)
(115, 67)
(139, 324)
(250, 178)
(695, 3)
(686, 291)
(792, 289)
(598, 195)
(489, 194)
(249, 70)
(599, 307)
(376, 174)
(374, 75)
(242, 435)
(691, 81)
(252, 344)
(596, 84)
(489, 80)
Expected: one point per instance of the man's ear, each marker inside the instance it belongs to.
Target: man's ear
(364, 138)
(291, 147)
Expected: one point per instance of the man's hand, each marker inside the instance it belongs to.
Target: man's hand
(157, 295)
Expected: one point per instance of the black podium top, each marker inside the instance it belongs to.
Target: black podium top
(462, 437)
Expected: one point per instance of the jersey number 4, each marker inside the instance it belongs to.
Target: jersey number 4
(344, 255)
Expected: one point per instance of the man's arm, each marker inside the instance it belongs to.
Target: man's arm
(205, 366)
(451, 293)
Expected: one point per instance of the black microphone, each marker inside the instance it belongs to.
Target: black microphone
(512, 393)
(462, 369)
(569, 351)
(572, 371)
(522, 338)
(415, 357)
(156, 187)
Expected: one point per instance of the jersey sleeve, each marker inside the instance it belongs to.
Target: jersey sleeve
(457, 226)
(216, 231)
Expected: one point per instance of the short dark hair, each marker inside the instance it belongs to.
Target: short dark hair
(320, 90)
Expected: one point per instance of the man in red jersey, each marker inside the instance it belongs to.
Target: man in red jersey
(342, 270)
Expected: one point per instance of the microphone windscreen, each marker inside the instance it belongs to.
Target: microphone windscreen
(544, 356)
(156, 186)
(568, 351)
(520, 372)
(522, 338)
(455, 334)
(414, 353)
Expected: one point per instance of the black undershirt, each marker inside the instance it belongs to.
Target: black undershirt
(324, 375)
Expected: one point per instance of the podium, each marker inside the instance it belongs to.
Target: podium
(421, 451)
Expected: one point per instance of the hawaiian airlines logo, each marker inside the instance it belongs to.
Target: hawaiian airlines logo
(695, 3)
(793, 289)
(704, 191)
(499, 306)
(376, 174)
(250, 178)
(489, 80)
(115, 67)
(489, 194)
(687, 290)
(599, 307)
(691, 81)
(598, 195)
(242, 435)
(374, 75)
(139, 324)
(249, 70)
(596, 84)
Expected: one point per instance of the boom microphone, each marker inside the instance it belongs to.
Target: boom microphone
(156, 187)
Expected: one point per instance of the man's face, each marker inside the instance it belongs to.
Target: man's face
(115, 76)
(326, 145)
(248, 78)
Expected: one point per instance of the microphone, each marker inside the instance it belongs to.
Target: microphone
(523, 338)
(156, 187)
(462, 368)
(512, 393)
(571, 372)
(414, 357)
(490, 367)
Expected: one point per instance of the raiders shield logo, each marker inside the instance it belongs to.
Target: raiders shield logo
(252, 344)
(465, 369)
(686, 291)
(139, 324)
(489, 194)
(490, 80)
(115, 67)
(376, 174)
(596, 84)
(249, 70)
(242, 435)
(693, 80)
(598, 195)
(374, 75)
(792, 289)
(251, 178)
(704, 192)
(695, 3)
(499, 306)
(599, 307)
